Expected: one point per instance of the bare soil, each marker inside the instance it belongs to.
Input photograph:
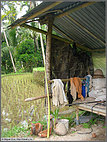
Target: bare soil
(73, 135)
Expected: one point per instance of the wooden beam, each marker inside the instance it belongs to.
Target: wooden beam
(35, 98)
(78, 45)
(82, 27)
(44, 32)
(75, 9)
(37, 13)
(64, 80)
(95, 110)
(60, 38)
(56, 28)
(95, 50)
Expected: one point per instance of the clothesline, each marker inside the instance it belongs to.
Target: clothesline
(64, 80)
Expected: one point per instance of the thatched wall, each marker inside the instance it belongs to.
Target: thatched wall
(67, 62)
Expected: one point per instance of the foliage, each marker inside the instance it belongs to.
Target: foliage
(86, 125)
(27, 56)
(17, 36)
(55, 114)
(15, 131)
(11, 34)
(43, 122)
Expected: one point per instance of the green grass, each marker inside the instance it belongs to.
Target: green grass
(39, 69)
(16, 131)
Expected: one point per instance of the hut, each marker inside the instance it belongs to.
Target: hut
(80, 47)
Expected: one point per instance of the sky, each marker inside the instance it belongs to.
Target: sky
(20, 12)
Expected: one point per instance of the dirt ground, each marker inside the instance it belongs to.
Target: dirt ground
(97, 129)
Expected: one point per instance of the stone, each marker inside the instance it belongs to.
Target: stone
(60, 129)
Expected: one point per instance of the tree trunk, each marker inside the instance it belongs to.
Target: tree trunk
(34, 42)
(10, 53)
(37, 45)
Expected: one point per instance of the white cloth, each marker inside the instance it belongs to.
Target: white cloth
(99, 83)
(58, 94)
(99, 95)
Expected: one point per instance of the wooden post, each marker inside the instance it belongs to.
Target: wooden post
(48, 50)
(77, 116)
(48, 62)
(48, 46)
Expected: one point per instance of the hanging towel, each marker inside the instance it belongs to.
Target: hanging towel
(58, 94)
(73, 89)
(78, 84)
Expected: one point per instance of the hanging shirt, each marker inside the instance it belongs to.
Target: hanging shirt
(58, 94)
(78, 85)
(73, 89)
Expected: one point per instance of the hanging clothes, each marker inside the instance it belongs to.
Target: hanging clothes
(78, 85)
(73, 89)
(58, 94)
(88, 84)
(83, 89)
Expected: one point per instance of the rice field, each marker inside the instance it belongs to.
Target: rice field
(14, 90)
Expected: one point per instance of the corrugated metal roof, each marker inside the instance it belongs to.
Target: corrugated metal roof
(85, 26)
(92, 18)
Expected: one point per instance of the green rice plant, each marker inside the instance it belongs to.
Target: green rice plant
(14, 90)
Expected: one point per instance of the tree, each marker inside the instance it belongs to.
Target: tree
(27, 56)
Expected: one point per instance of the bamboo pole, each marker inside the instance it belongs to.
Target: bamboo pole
(47, 74)
(10, 52)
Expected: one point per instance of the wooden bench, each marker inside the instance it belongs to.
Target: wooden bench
(91, 107)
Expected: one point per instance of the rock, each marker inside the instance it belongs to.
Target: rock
(60, 129)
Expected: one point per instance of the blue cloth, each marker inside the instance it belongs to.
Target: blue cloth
(83, 89)
(87, 83)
